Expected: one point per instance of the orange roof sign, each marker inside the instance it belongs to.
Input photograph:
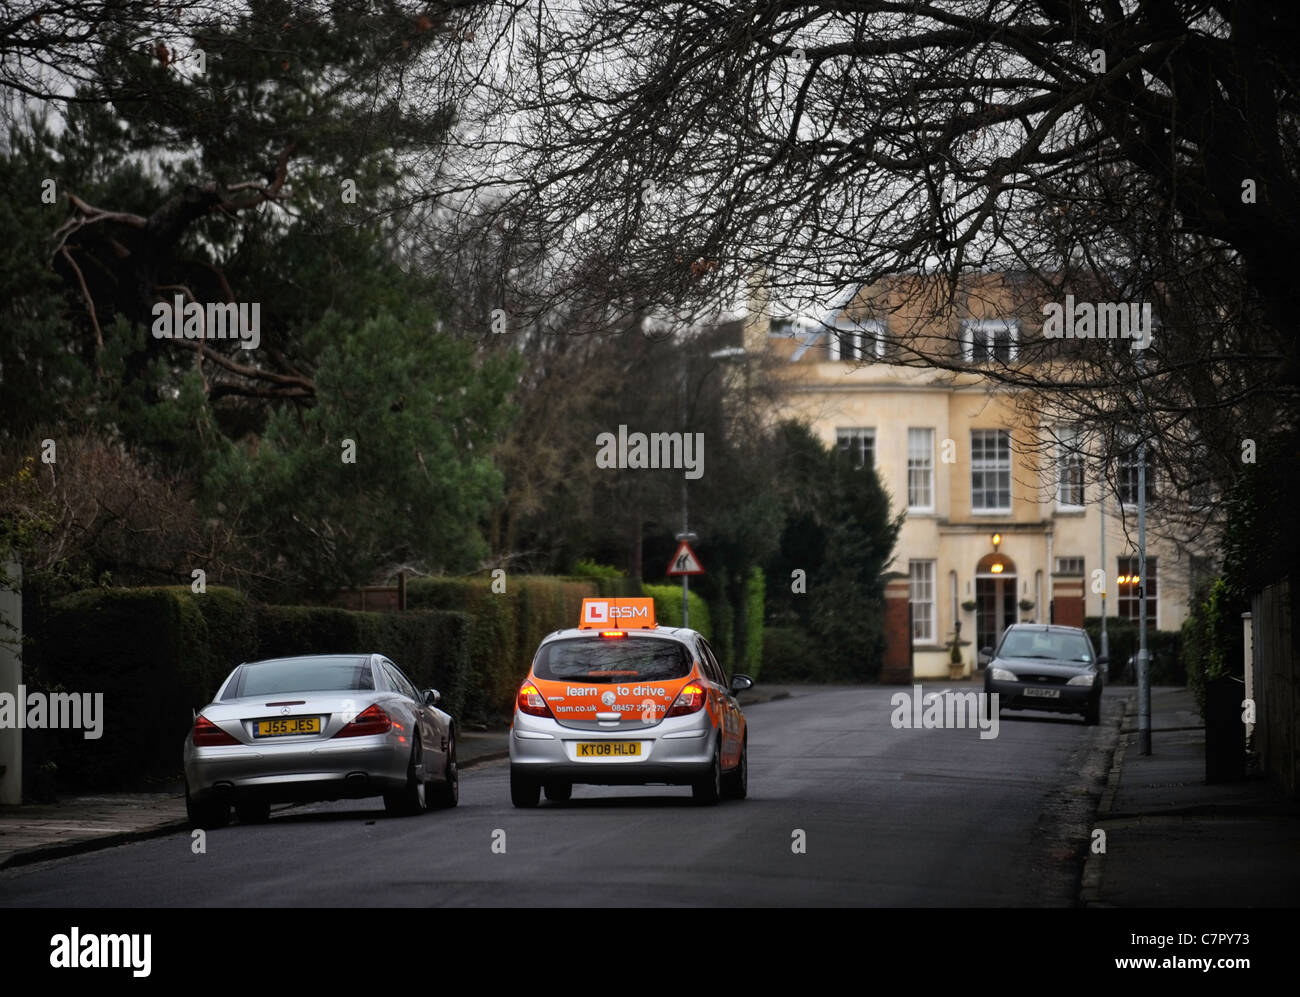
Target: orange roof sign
(623, 614)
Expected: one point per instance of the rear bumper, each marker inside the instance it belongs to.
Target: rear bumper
(351, 768)
(677, 751)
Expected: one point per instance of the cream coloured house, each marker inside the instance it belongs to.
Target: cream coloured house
(1003, 516)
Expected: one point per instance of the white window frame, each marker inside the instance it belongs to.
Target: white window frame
(914, 458)
(1122, 462)
(1061, 569)
(859, 432)
(926, 578)
(858, 333)
(989, 327)
(1068, 449)
(998, 469)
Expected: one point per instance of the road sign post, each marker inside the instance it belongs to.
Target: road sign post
(685, 563)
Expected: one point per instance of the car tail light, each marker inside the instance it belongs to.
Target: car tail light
(532, 702)
(206, 734)
(688, 701)
(371, 720)
(613, 633)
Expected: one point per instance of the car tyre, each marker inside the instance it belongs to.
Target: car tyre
(1092, 716)
(413, 799)
(559, 792)
(524, 792)
(707, 791)
(208, 815)
(446, 794)
(737, 780)
(253, 811)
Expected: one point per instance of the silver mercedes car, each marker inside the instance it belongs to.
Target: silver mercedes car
(318, 727)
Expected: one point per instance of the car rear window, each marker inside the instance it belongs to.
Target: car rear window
(1045, 644)
(324, 674)
(612, 660)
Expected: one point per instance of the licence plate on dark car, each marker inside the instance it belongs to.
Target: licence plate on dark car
(290, 725)
(1044, 693)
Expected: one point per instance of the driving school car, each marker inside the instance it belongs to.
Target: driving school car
(618, 700)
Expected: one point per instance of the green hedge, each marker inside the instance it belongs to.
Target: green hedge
(158, 653)
(506, 627)
(1164, 647)
(790, 655)
(155, 654)
(668, 608)
(432, 648)
(755, 600)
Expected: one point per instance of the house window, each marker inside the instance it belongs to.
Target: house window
(1126, 477)
(1069, 566)
(857, 342)
(985, 340)
(920, 470)
(990, 475)
(861, 443)
(922, 574)
(1130, 583)
(1069, 469)
(952, 596)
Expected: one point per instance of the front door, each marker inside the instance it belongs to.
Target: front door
(995, 608)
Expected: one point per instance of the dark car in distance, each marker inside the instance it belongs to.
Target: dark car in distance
(1039, 666)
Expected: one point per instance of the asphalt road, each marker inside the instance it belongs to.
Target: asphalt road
(889, 817)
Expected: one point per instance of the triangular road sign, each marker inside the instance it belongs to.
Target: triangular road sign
(685, 562)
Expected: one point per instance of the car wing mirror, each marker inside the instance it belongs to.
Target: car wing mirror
(431, 697)
(739, 683)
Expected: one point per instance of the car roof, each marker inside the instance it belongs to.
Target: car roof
(1045, 627)
(678, 633)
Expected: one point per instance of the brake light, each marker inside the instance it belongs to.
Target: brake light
(371, 720)
(206, 734)
(613, 633)
(688, 701)
(532, 702)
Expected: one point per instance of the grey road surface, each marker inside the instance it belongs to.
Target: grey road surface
(844, 809)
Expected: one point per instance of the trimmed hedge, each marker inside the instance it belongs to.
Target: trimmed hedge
(506, 627)
(155, 654)
(755, 600)
(432, 648)
(158, 653)
(1164, 648)
(668, 608)
(790, 655)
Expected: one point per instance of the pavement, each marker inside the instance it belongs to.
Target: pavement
(1170, 839)
(1174, 840)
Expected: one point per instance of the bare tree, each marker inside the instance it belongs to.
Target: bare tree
(1142, 151)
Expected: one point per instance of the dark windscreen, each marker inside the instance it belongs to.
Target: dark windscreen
(1057, 646)
(340, 673)
(612, 659)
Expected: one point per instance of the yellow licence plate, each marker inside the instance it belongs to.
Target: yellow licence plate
(290, 725)
(608, 749)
